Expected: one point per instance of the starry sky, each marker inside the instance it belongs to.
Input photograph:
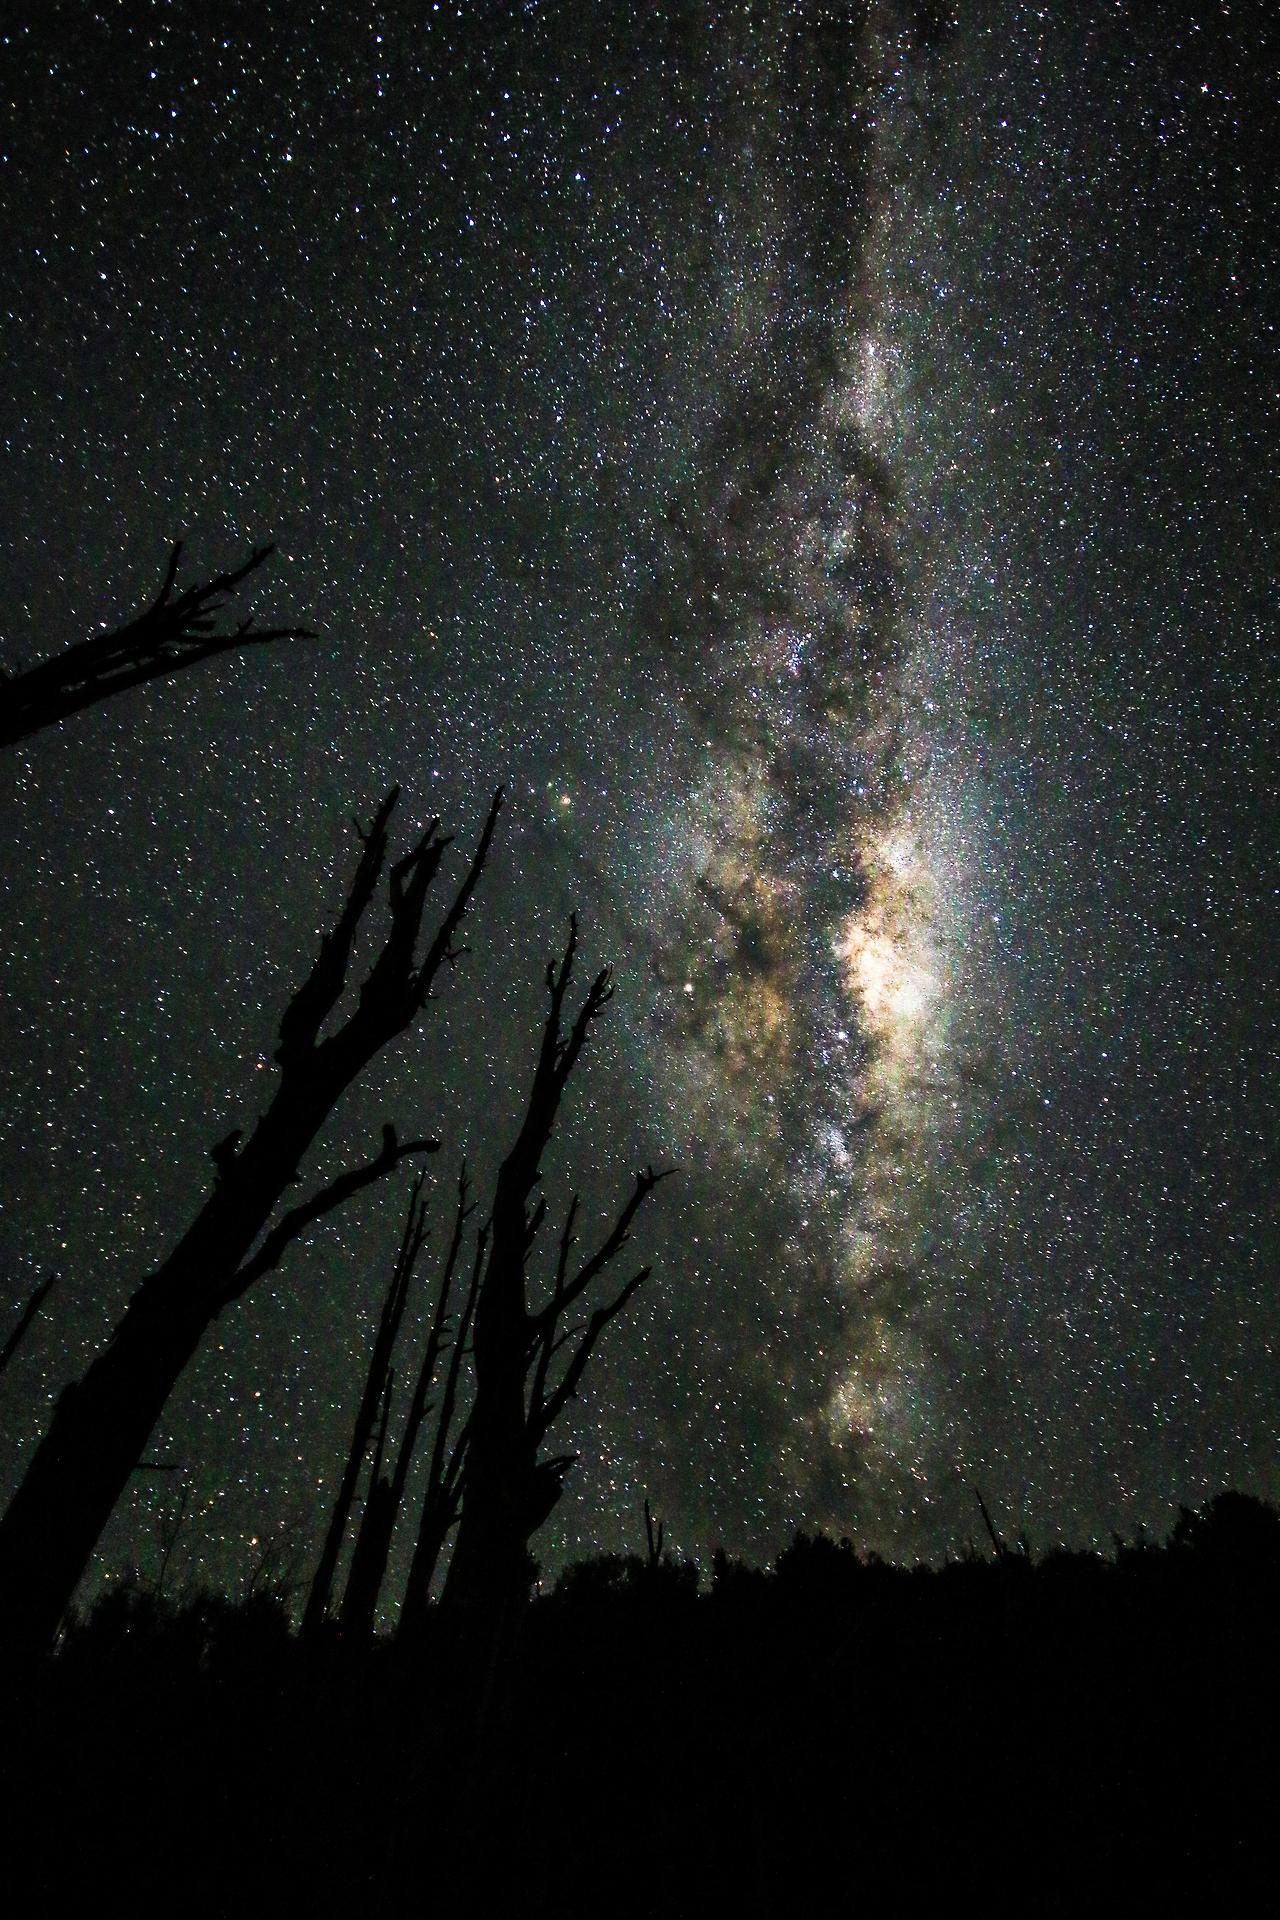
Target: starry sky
(824, 463)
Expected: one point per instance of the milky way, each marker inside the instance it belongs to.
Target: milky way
(800, 1006)
(824, 463)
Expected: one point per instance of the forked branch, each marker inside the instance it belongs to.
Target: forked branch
(178, 630)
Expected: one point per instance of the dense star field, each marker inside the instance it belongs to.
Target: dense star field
(824, 461)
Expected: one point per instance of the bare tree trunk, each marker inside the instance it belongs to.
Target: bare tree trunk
(99, 1430)
(448, 1453)
(369, 1562)
(508, 1490)
(366, 1414)
(490, 1564)
(101, 1425)
(369, 1556)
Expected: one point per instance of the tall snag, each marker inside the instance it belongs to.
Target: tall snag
(178, 630)
(386, 1496)
(441, 1500)
(375, 1394)
(438, 1512)
(101, 1424)
(523, 1382)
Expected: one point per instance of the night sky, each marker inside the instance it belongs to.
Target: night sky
(829, 472)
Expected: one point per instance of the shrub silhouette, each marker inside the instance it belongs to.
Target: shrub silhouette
(1117, 1712)
(1232, 1531)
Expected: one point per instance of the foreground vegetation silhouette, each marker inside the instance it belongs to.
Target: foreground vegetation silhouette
(829, 1734)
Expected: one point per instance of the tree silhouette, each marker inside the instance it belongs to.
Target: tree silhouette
(442, 1498)
(485, 1474)
(23, 1326)
(369, 1558)
(386, 1497)
(376, 1394)
(178, 630)
(100, 1424)
(523, 1382)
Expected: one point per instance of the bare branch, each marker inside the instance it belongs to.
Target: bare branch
(383, 1423)
(322, 989)
(300, 1217)
(373, 1539)
(167, 1532)
(444, 1473)
(451, 1478)
(1001, 1551)
(543, 1325)
(533, 1226)
(442, 947)
(568, 1387)
(28, 1314)
(397, 986)
(618, 1236)
(177, 631)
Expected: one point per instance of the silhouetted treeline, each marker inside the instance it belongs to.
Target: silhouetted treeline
(830, 1734)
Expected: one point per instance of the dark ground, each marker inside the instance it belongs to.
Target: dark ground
(1029, 1733)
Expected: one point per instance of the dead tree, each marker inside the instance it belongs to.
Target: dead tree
(654, 1537)
(443, 1496)
(439, 1508)
(178, 630)
(386, 1495)
(997, 1544)
(374, 1395)
(167, 1533)
(101, 1424)
(369, 1558)
(523, 1380)
(25, 1318)
(438, 1344)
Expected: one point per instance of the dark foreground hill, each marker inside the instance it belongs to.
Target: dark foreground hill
(834, 1736)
